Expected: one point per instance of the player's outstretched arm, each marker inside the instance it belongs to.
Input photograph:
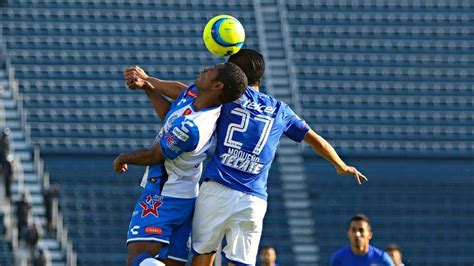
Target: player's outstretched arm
(169, 88)
(323, 148)
(149, 156)
(159, 103)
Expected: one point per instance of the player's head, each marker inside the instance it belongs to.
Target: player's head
(359, 231)
(268, 256)
(252, 63)
(5, 132)
(393, 250)
(227, 81)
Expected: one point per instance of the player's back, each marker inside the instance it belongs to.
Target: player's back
(248, 132)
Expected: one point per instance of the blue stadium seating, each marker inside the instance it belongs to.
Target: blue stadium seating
(6, 256)
(386, 63)
(410, 202)
(96, 204)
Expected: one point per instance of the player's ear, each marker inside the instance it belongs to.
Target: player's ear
(218, 86)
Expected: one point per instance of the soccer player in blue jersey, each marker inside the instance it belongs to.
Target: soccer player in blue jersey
(232, 200)
(360, 252)
(161, 220)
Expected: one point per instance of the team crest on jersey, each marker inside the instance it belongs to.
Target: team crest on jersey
(168, 123)
(151, 205)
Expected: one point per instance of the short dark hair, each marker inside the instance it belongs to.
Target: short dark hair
(267, 247)
(359, 217)
(393, 247)
(251, 62)
(234, 80)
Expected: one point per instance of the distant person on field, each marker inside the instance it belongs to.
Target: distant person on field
(360, 252)
(268, 256)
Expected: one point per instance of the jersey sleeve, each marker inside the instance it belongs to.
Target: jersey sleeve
(182, 136)
(295, 127)
(387, 260)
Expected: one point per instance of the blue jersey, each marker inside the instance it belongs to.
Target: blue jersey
(248, 132)
(375, 257)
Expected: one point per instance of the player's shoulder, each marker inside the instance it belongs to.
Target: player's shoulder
(183, 128)
(379, 255)
(375, 251)
(183, 134)
(343, 252)
(256, 99)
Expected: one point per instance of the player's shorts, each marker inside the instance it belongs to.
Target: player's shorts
(158, 218)
(223, 211)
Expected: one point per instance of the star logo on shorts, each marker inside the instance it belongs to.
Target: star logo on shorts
(150, 206)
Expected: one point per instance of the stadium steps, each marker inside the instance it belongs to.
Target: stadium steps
(276, 53)
(280, 84)
(297, 203)
(27, 176)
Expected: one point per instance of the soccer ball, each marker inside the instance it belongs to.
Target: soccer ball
(223, 35)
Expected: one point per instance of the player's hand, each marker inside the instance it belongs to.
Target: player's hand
(349, 170)
(139, 83)
(119, 166)
(135, 72)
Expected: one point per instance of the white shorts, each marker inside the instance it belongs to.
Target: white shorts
(224, 211)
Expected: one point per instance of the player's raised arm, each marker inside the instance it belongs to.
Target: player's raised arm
(182, 136)
(323, 148)
(160, 104)
(169, 88)
(149, 156)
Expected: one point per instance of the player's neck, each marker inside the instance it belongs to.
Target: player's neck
(205, 101)
(255, 87)
(360, 250)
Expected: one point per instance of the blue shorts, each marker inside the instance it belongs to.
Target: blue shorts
(168, 220)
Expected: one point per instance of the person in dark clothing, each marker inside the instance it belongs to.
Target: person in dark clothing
(49, 195)
(8, 175)
(23, 208)
(31, 238)
(39, 258)
(4, 147)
